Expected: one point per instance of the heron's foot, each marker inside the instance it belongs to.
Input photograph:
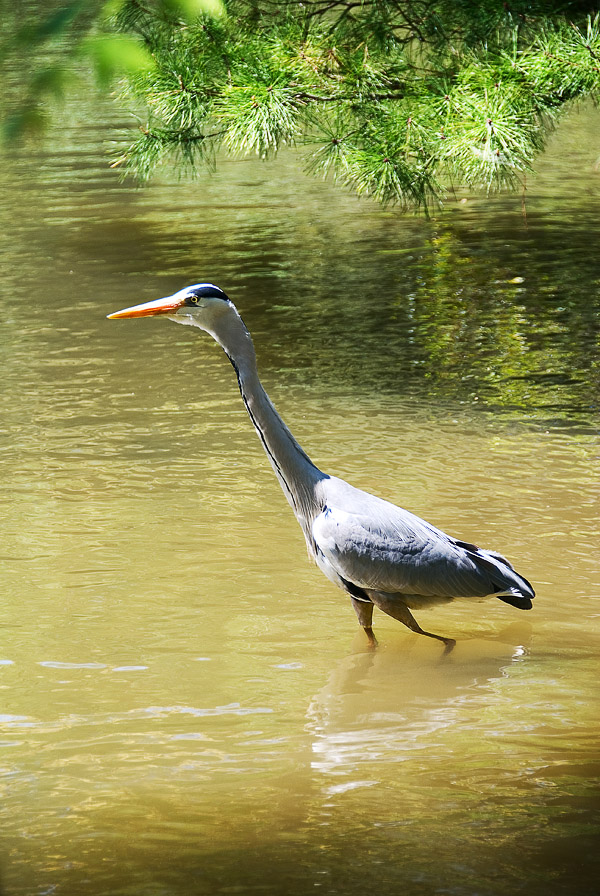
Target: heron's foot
(394, 607)
(372, 639)
(450, 645)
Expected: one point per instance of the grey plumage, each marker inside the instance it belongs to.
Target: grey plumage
(380, 554)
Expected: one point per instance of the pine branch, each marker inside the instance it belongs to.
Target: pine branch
(392, 99)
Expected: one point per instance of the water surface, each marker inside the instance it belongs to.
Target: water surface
(187, 705)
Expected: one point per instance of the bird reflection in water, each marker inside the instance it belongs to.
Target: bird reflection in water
(362, 717)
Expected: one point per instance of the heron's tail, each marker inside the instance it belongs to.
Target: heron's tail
(506, 582)
(517, 600)
(512, 588)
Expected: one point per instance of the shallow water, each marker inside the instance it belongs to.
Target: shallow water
(187, 705)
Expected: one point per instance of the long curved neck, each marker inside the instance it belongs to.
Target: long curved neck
(297, 474)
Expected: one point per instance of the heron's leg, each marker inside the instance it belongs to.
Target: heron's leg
(364, 611)
(394, 607)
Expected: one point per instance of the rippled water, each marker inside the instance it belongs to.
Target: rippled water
(187, 705)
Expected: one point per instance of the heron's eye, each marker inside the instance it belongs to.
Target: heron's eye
(193, 299)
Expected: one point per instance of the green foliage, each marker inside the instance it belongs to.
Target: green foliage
(396, 100)
(393, 99)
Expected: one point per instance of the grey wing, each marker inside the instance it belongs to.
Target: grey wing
(385, 548)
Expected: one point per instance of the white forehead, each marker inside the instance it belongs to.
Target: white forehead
(187, 290)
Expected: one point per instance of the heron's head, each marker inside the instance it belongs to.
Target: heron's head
(201, 305)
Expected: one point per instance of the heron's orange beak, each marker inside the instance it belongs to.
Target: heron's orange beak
(148, 309)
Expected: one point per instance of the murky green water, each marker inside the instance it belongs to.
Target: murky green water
(188, 707)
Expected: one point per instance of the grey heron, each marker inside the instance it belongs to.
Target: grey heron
(381, 555)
